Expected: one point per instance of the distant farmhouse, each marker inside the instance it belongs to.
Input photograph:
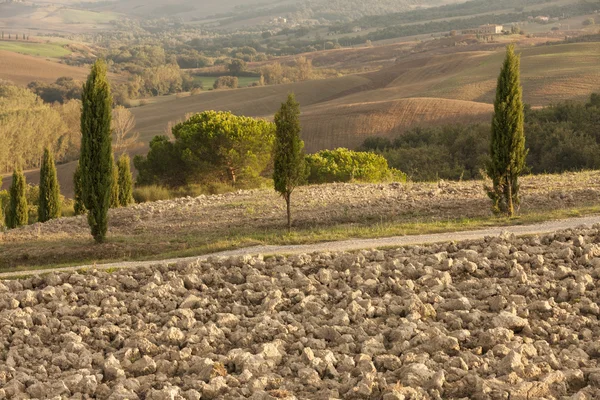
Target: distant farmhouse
(489, 29)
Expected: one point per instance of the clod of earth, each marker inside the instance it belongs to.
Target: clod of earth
(498, 318)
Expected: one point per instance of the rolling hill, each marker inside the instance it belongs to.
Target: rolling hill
(419, 89)
(22, 69)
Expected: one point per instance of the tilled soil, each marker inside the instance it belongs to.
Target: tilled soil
(498, 318)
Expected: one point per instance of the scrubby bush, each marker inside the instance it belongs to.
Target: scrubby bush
(143, 194)
(343, 165)
(226, 82)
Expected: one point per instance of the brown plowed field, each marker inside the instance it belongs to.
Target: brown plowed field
(22, 69)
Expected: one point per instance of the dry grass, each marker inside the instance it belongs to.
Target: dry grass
(192, 226)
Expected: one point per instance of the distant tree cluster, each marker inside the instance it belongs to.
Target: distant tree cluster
(561, 137)
(63, 90)
(28, 126)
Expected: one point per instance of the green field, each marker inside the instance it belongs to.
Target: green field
(35, 49)
(208, 81)
(87, 17)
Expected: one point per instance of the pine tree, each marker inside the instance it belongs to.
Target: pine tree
(114, 188)
(17, 214)
(288, 153)
(79, 207)
(507, 145)
(96, 153)
(125, 181)
(49, 205)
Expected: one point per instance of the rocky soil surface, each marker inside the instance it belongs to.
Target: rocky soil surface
(501, 318)
(321, 205)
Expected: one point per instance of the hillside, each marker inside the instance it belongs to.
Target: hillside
(192, 225)
(22, 69)
(458, 83)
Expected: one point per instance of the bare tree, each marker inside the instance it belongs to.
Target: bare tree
(123, 123)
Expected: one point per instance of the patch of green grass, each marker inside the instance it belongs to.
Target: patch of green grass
(35, 49)
(70, 16)
(208, 81)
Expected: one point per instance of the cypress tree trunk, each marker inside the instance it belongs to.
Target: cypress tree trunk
(96, 151)
(288, 202)
(49, 206)
(507, 145)
(125, 181)
(17, 214)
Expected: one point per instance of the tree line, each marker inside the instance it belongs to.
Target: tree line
(561, 137)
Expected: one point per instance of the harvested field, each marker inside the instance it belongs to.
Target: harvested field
(467, 73)
(219, 222)
(328, 126)
(499, 318)
(22, 69)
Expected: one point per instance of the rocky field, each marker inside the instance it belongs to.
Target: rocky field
(502, 318)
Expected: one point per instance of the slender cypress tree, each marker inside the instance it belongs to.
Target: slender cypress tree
(49, 204)
(96, 152)
(125, 181)
(17, 214)
(507, 147)
(288, 153)
(79, 207)
(114, 188)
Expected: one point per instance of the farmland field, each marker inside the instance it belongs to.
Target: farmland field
(443, 86)
(22, 69)
(35, 49)
(208, 81)
(70, 16)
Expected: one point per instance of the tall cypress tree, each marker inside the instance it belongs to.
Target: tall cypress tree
(288, 153)
(49, 206)
(17, 214)
(79, 207)
(507, 145)
(96, 152)
(125, 181)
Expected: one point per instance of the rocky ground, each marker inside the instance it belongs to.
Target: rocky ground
(502, 318)
(167, 227)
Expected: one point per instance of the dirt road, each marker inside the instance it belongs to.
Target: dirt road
(348, 245)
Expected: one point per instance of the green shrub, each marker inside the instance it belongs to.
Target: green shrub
(144, 194)
(343, 165)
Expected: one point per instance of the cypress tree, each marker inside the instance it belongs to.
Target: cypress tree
(507, 145)
(49, 206)
(79, 207)
(96, 153)
(114, 188)
(125, 181)
(288, 153)
(17, 214)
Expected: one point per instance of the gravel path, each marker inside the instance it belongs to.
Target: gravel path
(345, 245)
